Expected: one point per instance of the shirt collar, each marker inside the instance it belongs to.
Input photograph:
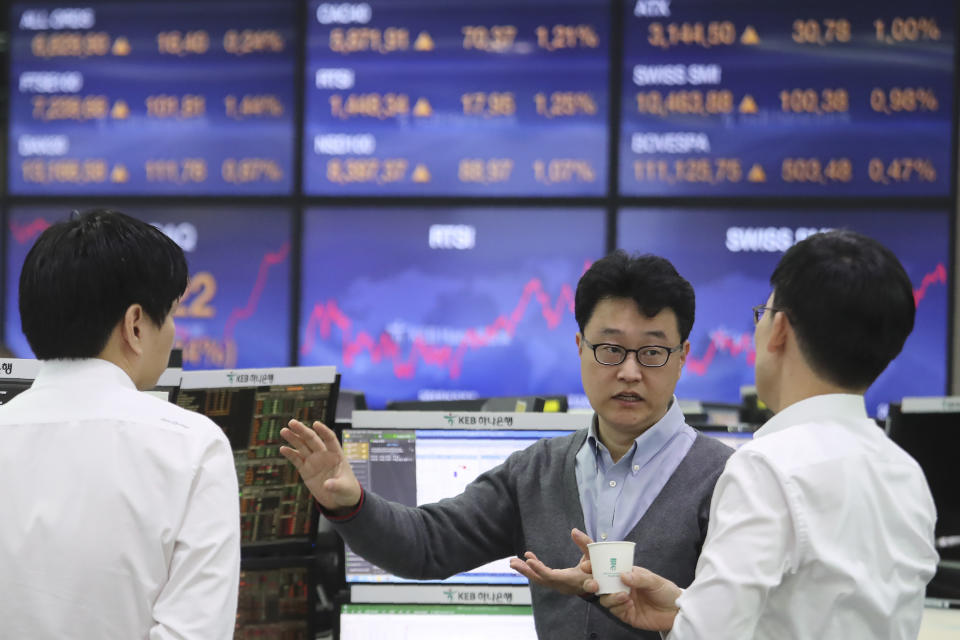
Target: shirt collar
(648, 443)
(834, 407)
(86, 371)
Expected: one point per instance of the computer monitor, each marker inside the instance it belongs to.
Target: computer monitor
(252, 405)
(436, 622)
(277, 599)
(928, 428)
(16, 376)
(417, 458)
(168, 385)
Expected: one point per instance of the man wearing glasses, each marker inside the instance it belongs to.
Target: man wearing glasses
(640, 473)
(821, 527)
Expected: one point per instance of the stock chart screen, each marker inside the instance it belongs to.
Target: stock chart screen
(235, 312)
(819, 98)
(729, 261)
(446, 304)
(152, 98)
(476, 97)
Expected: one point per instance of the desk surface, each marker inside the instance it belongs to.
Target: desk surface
(940, 624)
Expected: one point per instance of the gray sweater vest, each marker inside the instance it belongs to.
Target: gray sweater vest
(530, 503)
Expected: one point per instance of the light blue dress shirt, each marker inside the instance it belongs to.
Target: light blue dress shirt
(615, 496)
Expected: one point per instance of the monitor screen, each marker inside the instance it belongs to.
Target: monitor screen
(519, 85)
(236, 310)
(251, 406)
(446, 304)
(730, 257)
(436, 622)
(813, 98)
(929, 434)
(276, 599)
(422, 466)
(151, 98)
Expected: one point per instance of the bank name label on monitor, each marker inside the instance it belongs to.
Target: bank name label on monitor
(23, 368)
(258, 377)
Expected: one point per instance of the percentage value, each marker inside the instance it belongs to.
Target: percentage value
(907, 30)
(559, 171)
(240, 43)
(253, 106)
(901, 170)
(903, 100)
(246, 170)
(567, 36)
(565, 103)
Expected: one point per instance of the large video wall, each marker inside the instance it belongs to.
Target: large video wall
(411, 190)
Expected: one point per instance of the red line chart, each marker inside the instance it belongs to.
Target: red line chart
(24, 233)
(253, 300)
(937, 276)
(723, 342)
(325, 316)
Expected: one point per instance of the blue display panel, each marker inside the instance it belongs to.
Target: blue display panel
(446, 303)
(152, 98)
(475, 97)
(752, 97)
(730, 257)
(236, 310)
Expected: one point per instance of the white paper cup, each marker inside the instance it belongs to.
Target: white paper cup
(609, 560)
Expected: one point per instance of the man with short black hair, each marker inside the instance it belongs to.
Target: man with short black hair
(821, 527)
(639, 473)
(120, 512)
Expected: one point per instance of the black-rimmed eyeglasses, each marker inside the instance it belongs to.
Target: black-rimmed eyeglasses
(651, 355)
(760, 308)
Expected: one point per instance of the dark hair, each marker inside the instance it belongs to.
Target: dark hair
(650, 281)
(82, 275)
(850, 303)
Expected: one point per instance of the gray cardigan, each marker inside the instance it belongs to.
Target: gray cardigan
(530, 503)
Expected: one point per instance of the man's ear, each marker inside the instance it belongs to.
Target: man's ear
(683, 353)
(579, 343)
(779, 332)
(131, 328)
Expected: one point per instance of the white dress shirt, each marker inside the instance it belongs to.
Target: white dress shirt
(119, 513)
(820, 528)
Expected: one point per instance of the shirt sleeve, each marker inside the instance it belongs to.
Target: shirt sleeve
(751, 543)
(199, 600)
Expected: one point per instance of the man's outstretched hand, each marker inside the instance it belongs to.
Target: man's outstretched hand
(317, 455)
(569, 581)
